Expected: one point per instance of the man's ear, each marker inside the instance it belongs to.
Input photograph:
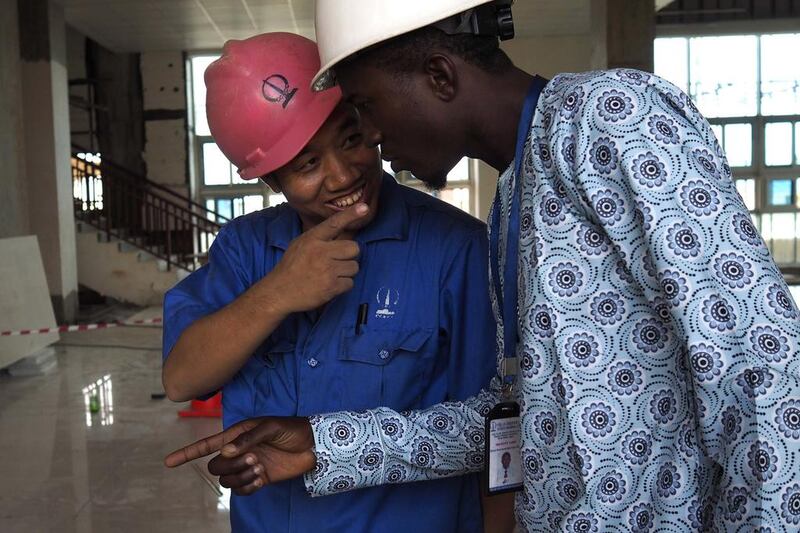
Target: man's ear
(441, 75)
(272, 183)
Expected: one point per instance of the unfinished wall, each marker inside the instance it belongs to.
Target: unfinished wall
(120, 128)
(553, 54)
(79, 91)
(164, 89)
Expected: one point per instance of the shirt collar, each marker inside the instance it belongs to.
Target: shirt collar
(284, 228)
(391, 221)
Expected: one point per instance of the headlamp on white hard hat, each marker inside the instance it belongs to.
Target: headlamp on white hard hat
(492, 19)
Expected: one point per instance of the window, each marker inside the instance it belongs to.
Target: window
(748, 86)
(778, 144)
(216, 182)
(747, 190)
(737, 140)
(671, 58)
(780, 192)
(780, 74)
(197, 66)
(87, 185)
(721, 75)
(235, 206)
(458, 192)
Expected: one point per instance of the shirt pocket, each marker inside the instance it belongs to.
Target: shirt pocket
(386, 367)
(272, 354)
(269, 376)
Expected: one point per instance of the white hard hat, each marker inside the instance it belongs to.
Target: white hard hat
(345, 27)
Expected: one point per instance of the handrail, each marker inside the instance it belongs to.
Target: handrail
(150, 183)
(140, 212)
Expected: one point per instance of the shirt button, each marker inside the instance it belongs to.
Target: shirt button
(313, 363)
(383, 354)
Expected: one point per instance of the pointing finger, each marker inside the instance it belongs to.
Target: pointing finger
(331, 228)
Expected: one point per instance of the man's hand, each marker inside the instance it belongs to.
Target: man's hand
(317, 266)
(254, 452)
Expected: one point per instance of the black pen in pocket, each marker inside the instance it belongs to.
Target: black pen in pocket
(361, 319)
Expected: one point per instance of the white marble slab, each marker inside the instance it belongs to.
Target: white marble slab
(24, 299)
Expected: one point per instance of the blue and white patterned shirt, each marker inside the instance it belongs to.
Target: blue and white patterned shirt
(658, 341)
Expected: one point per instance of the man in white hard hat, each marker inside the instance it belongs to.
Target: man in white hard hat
(657, 385)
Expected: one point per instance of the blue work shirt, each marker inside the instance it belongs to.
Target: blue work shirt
(429, 338)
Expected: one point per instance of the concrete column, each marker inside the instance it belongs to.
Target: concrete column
(42, 32)
(631, 29)
(163, 89)
(14, 214)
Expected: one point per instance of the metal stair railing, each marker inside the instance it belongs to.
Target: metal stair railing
(140, 212)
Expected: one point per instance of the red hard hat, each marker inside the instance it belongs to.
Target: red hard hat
(260, 106)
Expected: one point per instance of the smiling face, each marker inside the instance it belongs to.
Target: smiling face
(333, 171)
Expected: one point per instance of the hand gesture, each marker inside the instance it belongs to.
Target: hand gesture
(318, 266)
(254, 452)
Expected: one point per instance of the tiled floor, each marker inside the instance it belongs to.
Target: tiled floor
(63, 469)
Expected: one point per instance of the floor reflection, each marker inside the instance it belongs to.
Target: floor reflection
(98, 397)
(83, 447)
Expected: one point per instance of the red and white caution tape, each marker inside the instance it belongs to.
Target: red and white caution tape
(81, 327)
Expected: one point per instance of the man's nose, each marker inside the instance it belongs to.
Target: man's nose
(340, 173)
(372, 135)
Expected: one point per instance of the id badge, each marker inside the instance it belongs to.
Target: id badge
(503, 471)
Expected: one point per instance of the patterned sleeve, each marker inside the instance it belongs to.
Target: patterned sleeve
(381, 446)
(715, 292)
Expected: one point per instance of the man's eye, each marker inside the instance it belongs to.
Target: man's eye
(308, 165)
(353, 140)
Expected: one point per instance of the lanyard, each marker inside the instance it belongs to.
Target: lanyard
(506, 293)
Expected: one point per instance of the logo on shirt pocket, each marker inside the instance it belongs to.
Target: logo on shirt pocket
(387, 302)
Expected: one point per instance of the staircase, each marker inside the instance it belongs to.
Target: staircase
(124, 272)
(135, 238)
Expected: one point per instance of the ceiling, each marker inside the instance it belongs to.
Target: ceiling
(147, 25)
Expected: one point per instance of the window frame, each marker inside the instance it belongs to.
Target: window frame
(758, 170)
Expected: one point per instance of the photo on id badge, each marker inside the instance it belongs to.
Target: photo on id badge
(504, 468)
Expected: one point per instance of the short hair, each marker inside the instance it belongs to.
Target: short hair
(404, 53)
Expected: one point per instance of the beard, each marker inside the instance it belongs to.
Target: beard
(436, 183)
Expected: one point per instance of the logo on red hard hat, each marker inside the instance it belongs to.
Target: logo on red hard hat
(276, 89)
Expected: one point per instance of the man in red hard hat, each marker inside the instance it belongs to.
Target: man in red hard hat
(356, 293)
